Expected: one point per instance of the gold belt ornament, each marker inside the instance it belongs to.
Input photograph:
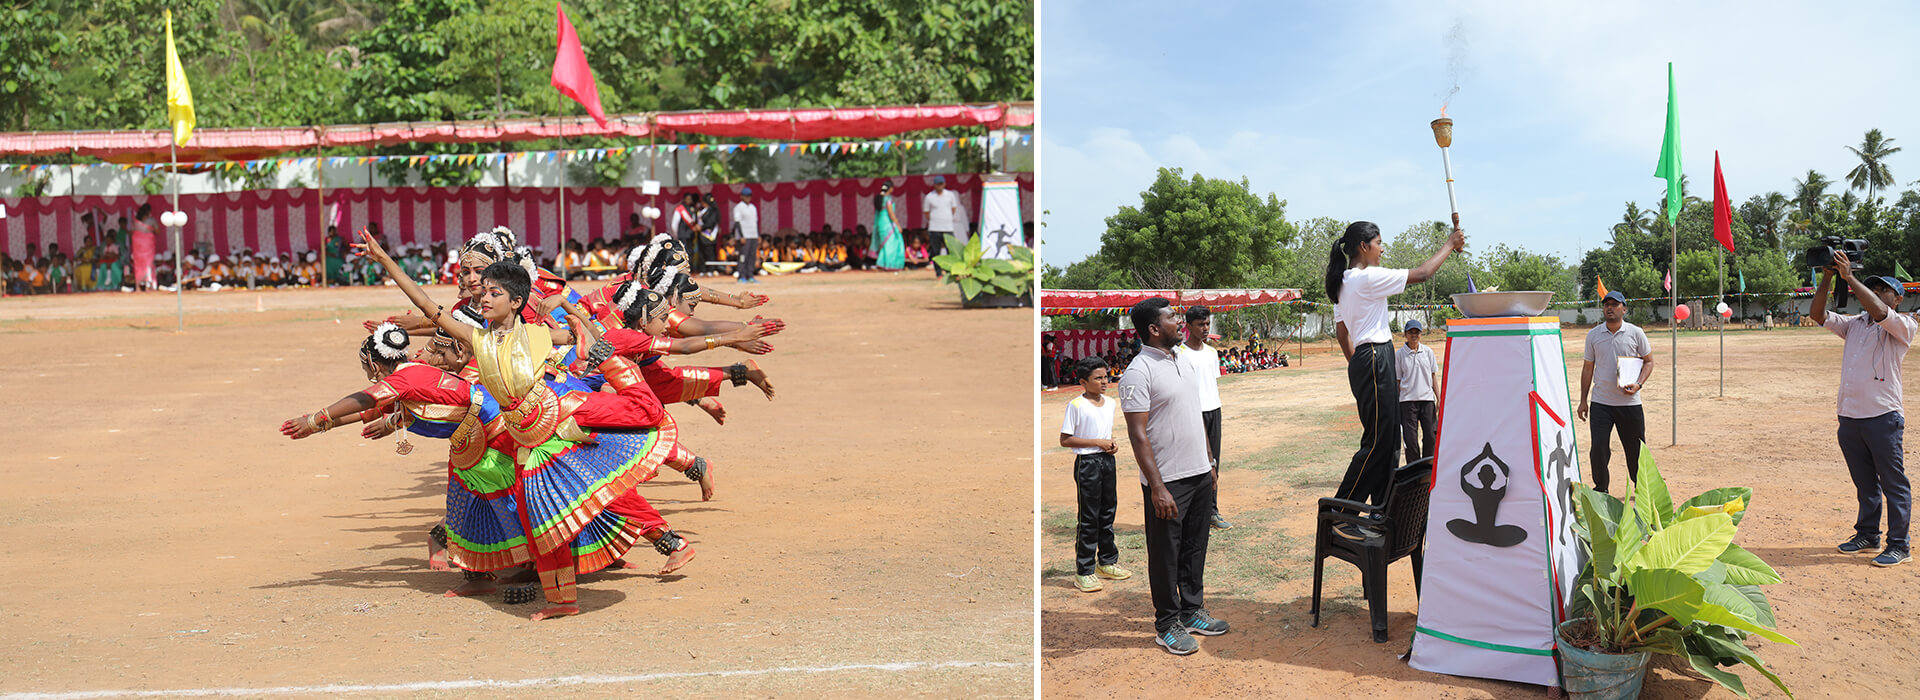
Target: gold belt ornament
(534, 419)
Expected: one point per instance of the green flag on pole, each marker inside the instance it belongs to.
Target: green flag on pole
(1669, 167)
(1743, 281)
(1901, 273)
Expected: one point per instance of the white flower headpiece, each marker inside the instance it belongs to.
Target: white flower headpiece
(390, 342)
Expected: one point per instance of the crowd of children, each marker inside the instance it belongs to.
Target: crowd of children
(782, 252)
(1251, 358)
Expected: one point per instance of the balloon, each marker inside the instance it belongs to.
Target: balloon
(1681, 312)
(1721, 308)
(1726, 312)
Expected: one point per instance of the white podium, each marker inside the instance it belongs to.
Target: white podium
(1501, 552)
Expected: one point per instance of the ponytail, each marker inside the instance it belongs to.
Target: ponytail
(1336, 268)
(1344, 248)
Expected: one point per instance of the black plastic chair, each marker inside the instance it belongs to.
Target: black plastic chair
(1402, 522)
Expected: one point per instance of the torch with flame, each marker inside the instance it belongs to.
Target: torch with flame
(1443, 135)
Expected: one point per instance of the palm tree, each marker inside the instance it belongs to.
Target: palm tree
(1633, 224)
(1872, 174)
(1807, 193)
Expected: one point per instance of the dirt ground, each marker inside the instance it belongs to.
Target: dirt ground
(871, 535)
(1288, 434)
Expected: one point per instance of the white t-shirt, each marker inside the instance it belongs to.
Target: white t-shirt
(747, 217)
(1870, 361)
(1416, 369)
(939, 208)
(1205, 364)
(1363, 303)
(1085, 420)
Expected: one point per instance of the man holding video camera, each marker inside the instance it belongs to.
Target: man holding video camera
(1871, 424)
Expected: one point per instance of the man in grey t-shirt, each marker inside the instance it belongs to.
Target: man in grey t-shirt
(1872, 424)
(1614, 405)
(1162, 406)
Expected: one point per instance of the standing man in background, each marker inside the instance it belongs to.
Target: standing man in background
(746, 226)
(1419, 373)
(940, 209)
(1616, 405)
(1204, 360)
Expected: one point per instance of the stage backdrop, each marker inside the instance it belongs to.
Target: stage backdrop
(278, 221)
(1078, 344)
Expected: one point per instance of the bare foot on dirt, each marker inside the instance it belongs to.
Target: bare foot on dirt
(556, 611)
(479, 586)
(706, 482)
(677, 559)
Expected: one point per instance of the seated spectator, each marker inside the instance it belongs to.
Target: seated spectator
(833, 253)
(917, 256)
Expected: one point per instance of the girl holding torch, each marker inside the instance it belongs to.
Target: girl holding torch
(1359, 287)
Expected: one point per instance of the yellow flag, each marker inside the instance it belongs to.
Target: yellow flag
(179, 96)
(1601, 284)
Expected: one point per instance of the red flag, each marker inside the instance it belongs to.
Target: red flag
(1722, 207)
(571, 74)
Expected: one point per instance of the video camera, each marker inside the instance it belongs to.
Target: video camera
(1821, 256)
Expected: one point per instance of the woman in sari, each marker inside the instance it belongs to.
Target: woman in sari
(886, 248)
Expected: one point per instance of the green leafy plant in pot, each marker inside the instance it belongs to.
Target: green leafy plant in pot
(1668, 579)
(978, 275)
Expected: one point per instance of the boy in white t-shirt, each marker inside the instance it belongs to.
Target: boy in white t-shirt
(1088, 431)
(1204, 360)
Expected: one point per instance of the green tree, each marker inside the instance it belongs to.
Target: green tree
(34, 46)
(1197, 233)
(1872, 173)
(1768, 274)
(1809, 192)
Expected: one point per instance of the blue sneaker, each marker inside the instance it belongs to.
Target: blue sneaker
(1893, 556)
(1177, 641)
(1200, 622)
(1860, 544)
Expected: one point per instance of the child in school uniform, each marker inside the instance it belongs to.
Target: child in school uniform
(1088, 431)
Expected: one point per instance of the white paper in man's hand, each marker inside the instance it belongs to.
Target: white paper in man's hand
(1630, 370)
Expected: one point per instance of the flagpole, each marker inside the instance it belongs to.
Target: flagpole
(179, 283)
(1673, 318)
(1721, 255)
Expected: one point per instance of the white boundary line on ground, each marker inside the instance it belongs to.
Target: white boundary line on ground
(497, 684)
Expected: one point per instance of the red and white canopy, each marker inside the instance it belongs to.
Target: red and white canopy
(1062, 302)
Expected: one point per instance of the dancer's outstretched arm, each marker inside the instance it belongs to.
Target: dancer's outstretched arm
(346, 410)
(413, 291)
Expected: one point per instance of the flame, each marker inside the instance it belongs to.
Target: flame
(1443, 110)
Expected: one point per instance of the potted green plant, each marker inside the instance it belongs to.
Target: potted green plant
(1663, 579)
(988, 281)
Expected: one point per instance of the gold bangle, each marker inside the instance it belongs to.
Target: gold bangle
(711, 342)
(321, 421)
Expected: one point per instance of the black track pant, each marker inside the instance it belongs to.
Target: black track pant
(1631, 422)
(1093, 538)
(1376, 392)
(1177, 549)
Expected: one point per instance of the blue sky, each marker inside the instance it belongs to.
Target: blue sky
(1559, 113)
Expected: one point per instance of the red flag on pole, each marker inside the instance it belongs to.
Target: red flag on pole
(1722, 207)
(571, 74)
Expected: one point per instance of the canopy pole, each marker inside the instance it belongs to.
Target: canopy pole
(320, 204)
